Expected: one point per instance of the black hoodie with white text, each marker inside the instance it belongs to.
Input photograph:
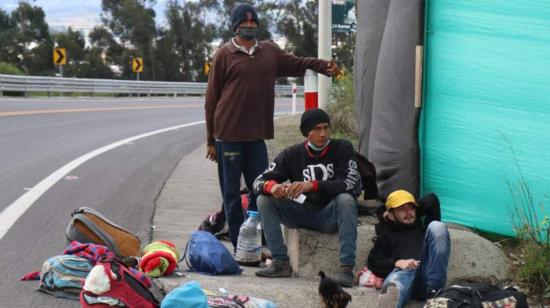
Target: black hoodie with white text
(332, 171)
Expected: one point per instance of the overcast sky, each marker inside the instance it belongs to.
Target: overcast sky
(82, 15)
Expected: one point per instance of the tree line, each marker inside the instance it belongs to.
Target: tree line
(176, 51)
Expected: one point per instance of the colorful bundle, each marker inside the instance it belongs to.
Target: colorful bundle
(159, 258)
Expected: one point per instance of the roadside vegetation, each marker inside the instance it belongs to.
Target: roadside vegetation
(531, 247)
(9, 69)
(342, 109)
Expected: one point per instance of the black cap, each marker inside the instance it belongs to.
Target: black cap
(242, 12)
(312, 118)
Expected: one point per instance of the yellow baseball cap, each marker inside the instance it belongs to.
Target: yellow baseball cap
(399, 198)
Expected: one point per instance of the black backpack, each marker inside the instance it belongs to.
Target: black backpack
(368, 176)
(477, 295)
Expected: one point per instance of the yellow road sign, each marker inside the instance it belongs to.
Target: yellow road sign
(207, 68)
(137, 65)
(59, 56)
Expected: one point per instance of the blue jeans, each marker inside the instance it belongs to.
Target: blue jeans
(432, 272)
(340, 215)
(236, 159)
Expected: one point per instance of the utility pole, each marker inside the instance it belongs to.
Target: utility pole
(324, 48)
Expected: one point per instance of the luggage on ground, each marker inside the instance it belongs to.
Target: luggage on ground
(89, 226)
(113, 284)
(214, 222)
(477, 295)
(205, 254)
(64, 275)
(160, 258)
(189, 295)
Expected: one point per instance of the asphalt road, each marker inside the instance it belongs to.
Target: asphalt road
(40, 136)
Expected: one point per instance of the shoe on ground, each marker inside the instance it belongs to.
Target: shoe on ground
(345, 277)
(276, 269)
(389, 298)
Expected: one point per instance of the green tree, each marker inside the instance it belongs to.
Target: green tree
(344, 50)
(185, 45)
(74, 43)
(8, 52)
(133, 22)
(297, 22)
(94, 65)
(103, 43)
(10, 69)
(31, 42)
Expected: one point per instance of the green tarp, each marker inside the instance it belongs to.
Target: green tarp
(485, 123)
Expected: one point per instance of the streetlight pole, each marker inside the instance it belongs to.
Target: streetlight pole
(324, 48)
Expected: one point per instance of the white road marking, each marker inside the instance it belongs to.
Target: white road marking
(11, 214)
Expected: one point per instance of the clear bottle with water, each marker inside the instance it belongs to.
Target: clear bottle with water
(249, 243)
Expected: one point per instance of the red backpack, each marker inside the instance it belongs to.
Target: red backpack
(129, 288)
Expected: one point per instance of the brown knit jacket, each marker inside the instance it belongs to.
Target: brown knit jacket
(241, 89)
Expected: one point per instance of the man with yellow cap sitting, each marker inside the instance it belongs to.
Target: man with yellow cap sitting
(410, 253)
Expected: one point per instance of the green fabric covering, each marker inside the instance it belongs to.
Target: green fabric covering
(486, 109)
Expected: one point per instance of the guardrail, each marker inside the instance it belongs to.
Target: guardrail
(84, 85)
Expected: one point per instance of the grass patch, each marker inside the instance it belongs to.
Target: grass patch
(532, 227)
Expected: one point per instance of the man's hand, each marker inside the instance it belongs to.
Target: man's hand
(296, 188)
(407, 264)
(279, 191)
(332, 69)
(211, 152)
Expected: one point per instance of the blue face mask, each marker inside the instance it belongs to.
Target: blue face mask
(247, 33)
(316, 148)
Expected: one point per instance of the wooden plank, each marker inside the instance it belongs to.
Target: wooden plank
(418, 77)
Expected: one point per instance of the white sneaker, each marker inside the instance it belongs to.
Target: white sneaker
(390, 298)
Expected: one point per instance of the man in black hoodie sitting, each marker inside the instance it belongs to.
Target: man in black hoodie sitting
(312, 185)
(410, 253)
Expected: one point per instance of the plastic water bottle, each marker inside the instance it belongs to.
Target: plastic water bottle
(249, 243)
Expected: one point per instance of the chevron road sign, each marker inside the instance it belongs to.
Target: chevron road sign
(137, 65)
(59, 56)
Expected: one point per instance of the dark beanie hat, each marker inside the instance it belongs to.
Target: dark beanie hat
(242, 12)
(311, 118)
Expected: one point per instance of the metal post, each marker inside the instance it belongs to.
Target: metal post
(137, 75)
(60, 70)
(294, 88)
(325, 48)
(311, 97)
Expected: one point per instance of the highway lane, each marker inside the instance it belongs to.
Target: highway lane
(123, 182)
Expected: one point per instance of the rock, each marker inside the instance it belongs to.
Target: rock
(472, 257)
(310, 251)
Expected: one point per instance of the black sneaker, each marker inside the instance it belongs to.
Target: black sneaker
(345, 277)
(276, 269)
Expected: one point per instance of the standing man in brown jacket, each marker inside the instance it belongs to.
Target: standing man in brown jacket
(240, 106)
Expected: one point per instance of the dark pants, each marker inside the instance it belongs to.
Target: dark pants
(339, 215)
(236, 159)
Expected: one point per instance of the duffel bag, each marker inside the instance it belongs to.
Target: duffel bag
(90, 226)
